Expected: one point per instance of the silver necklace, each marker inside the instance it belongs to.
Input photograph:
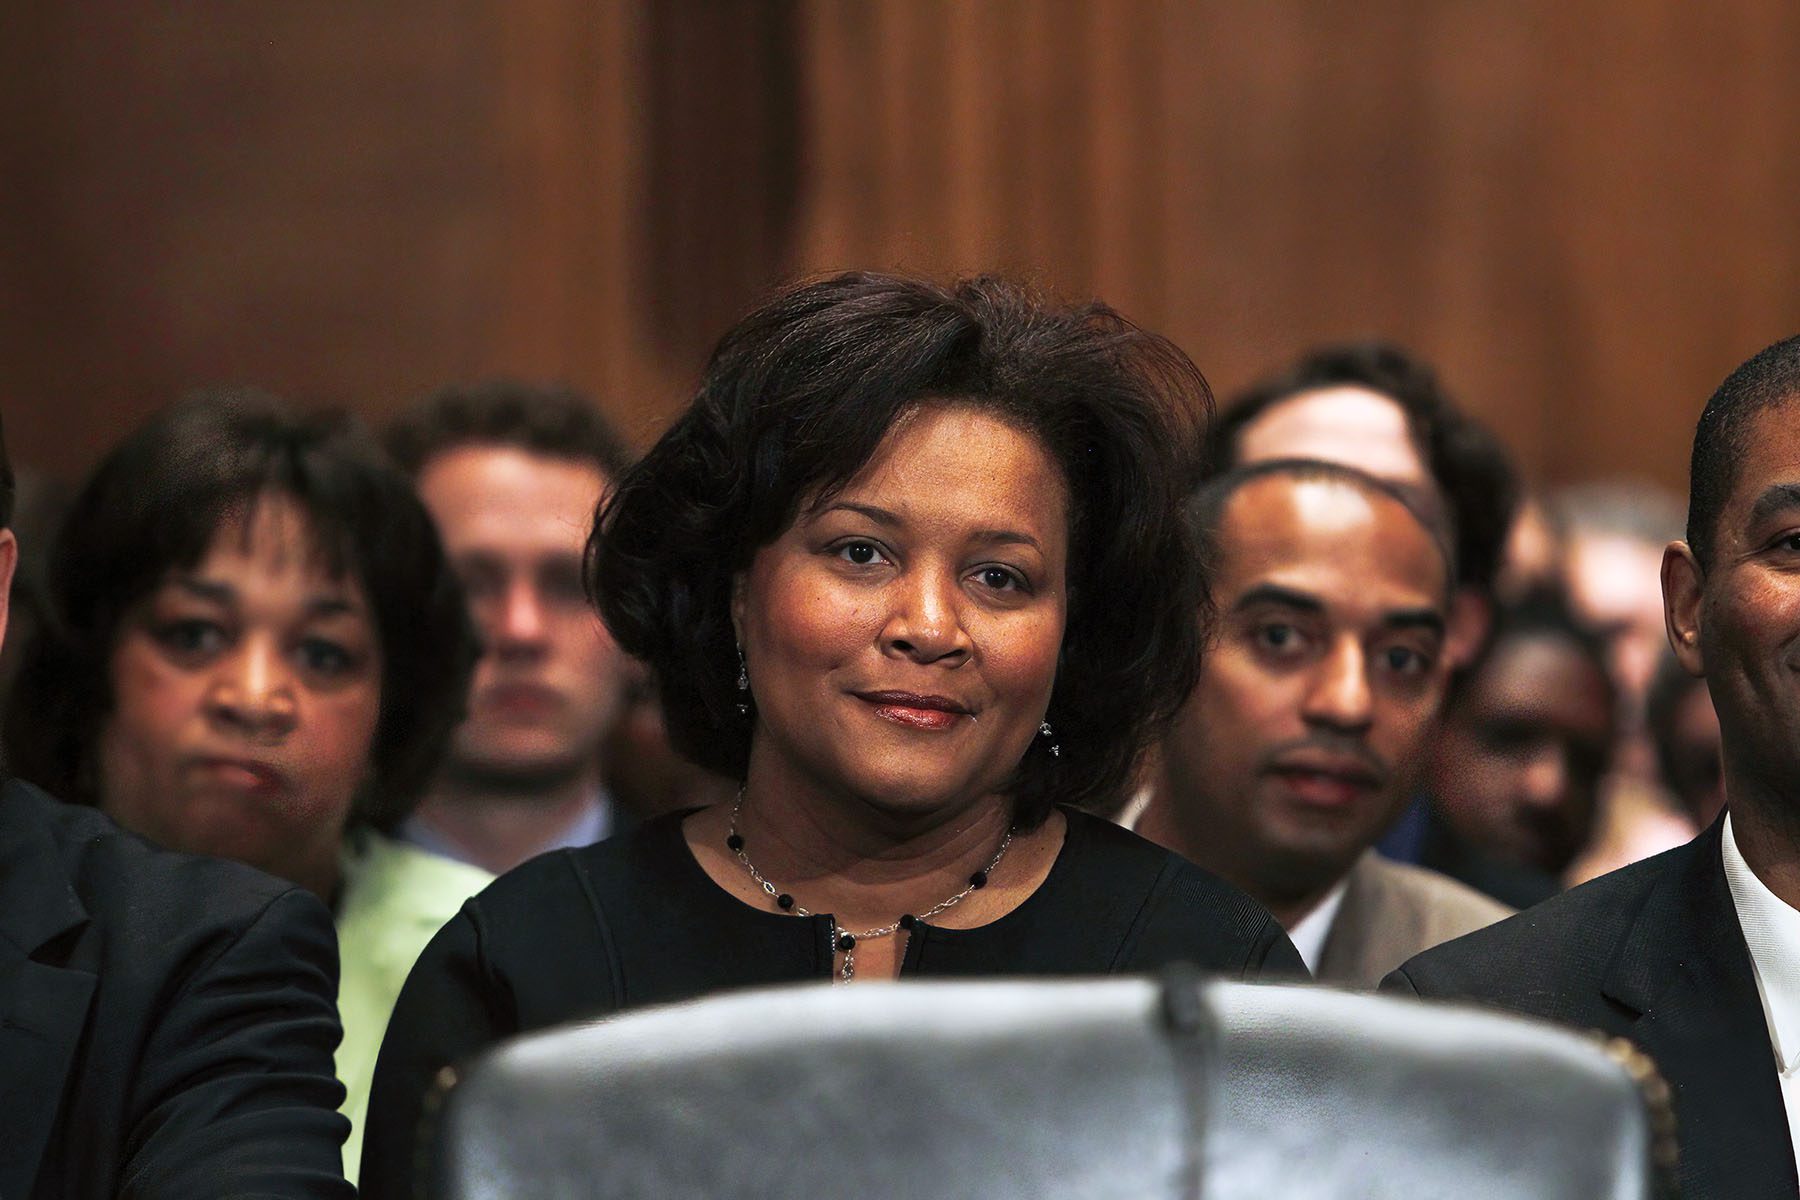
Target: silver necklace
(843, 939)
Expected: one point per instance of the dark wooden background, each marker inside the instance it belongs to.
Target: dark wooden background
(1585, 210)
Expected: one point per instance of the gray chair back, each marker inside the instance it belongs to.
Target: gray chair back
(1127, 1088)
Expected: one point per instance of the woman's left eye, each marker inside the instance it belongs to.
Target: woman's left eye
(324, 657)
(999, 578)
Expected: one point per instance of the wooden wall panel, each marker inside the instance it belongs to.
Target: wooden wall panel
(1581, 209)
(236, 194)
(1676, 256)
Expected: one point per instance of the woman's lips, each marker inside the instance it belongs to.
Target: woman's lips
(915, 711)
(243, 774)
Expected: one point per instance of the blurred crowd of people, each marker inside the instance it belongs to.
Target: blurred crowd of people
(922, 578)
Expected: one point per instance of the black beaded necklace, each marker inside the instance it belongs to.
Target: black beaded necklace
(845, 940)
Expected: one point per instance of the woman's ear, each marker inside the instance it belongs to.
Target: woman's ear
(1684, 587)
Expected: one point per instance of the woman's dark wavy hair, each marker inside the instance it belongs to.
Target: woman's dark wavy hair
(155, 504)
(796, 399)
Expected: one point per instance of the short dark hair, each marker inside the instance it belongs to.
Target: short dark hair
(797, 398)
(1722, 436)
(8, 485)
(545, 419)
(1205, 508)
(155, 504)
(1473, 471)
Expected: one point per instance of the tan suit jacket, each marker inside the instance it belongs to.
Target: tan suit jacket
(1392, 911)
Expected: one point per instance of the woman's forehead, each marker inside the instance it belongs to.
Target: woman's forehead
(273, 532)
(958, 455)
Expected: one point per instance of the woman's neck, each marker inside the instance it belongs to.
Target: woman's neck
(866, 865)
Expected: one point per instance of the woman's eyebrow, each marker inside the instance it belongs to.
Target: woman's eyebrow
(205, 589)
(327, 605)
(893, 520)
(320, 604)
(880, 516)
(1005, 537)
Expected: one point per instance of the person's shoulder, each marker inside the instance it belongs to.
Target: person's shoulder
(1132, 858)
(549, 931)
(1558, 947)
(123, 877)
(1187, 913)
(616, 870)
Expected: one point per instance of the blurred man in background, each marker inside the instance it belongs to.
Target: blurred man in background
(1613, 535)
(1515, 773)
(513, 476)
(1684, 729)
(1317, 694)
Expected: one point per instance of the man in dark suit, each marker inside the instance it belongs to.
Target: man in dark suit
(166, 1022)
(1695, 954)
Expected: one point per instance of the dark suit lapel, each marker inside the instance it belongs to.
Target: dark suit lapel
(43, 1005)
(1684, 969)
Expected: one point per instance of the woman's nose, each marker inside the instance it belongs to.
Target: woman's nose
(926, 622)
(253, 691)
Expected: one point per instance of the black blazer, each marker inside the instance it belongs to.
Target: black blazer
(1652, 952)
(166, 1022)
(636, 920)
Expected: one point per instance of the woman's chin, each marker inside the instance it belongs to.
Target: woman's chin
(914, 798)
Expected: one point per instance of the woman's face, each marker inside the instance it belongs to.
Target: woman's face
(901, 637)
(245, 698)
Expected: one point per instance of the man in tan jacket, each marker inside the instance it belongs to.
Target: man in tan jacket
(1321, 684)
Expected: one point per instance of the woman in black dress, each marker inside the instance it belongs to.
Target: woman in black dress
(911, 568)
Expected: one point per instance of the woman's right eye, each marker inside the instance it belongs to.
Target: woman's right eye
(191, 636)
(861, 553)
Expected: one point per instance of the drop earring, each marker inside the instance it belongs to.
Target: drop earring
(1049, 735)
(743, 685)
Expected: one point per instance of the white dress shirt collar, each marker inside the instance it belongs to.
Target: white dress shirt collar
(1309, 932)
(1772, 932)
